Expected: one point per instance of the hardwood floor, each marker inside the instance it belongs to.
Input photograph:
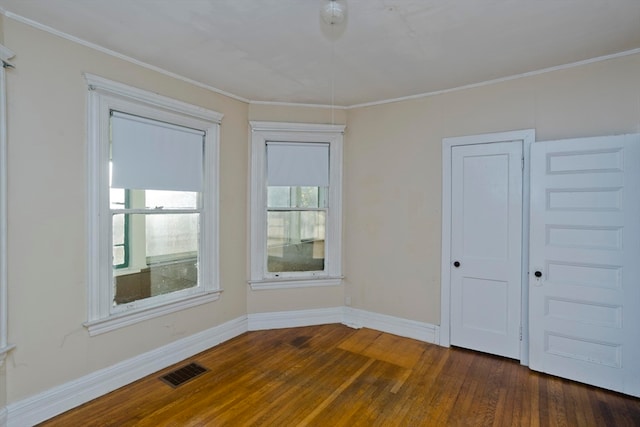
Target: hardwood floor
(332, 375)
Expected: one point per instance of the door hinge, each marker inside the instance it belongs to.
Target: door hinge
(523, 163)
(520, 333)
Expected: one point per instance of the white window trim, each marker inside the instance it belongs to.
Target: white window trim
(5, 347)
(263, 132)
(105, 95)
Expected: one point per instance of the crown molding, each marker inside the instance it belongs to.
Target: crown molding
(110, 52)
(118, 55)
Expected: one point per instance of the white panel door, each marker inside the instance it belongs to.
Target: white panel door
(486, 245)
(585, 261)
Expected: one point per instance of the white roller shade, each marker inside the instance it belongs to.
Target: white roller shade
(149, 154)
(297, 164)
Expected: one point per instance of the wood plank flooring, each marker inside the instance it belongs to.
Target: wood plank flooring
(332, 375)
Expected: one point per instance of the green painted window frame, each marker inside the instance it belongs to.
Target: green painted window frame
(126, 243)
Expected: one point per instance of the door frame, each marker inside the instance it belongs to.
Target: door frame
(527, 136)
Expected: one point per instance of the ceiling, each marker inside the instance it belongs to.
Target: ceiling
(281, 50)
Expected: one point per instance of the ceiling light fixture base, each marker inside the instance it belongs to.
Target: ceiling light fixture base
(333, 11)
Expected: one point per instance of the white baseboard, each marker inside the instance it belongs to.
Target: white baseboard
(348, 316)
(421, 331)
(59, 399)
(294, 319)
(50, 403)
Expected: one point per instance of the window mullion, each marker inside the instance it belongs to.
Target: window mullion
(278, 209)
(156, 211)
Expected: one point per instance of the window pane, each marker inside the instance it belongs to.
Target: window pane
(296, 197)
(307, 197)
(278, 197)
(118, 255)
(119, 239)
(118, 229)
(295, 241)
(171, 236)
(156, 280)
(164, 256)
(171, 199)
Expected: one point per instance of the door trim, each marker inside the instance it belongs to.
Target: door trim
(527, 136)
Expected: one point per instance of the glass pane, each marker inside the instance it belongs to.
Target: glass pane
(118, 229)
(278, 197)
(163, 256)
(296, 197)
(295, 241)
(171, 199)
(171, 236)
(158, 279)
(153, 199)
(307, 197)
(118, 255)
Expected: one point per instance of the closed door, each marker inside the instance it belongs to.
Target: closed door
(584, 287)
(486, 247)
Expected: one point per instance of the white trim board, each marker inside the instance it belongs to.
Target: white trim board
(348, 316)
(52, 402)
(294, 319)
(5, 347)
(527, 136)
(420, 331)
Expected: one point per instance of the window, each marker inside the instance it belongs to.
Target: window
(296, 198)
(152, 209)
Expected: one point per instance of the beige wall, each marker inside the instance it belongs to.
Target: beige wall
(47, 208)
(393, 169)
(297, 114)
(392, 204)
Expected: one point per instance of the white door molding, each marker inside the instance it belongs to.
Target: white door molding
(527, 136)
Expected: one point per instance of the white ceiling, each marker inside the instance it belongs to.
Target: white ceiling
(280, 50)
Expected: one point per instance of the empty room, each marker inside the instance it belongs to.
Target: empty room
(319, 212)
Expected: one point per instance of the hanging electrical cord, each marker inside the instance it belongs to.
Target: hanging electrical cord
(333, 13)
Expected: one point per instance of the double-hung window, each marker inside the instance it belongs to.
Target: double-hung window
(296, 192)
(152, 164)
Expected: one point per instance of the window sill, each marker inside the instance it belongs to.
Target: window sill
(280, 283)
(120, 320)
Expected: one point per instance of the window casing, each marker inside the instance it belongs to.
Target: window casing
(296, 205)
(5, 347)
(118, 208)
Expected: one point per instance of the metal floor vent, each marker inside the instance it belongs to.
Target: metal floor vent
(184, 374)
